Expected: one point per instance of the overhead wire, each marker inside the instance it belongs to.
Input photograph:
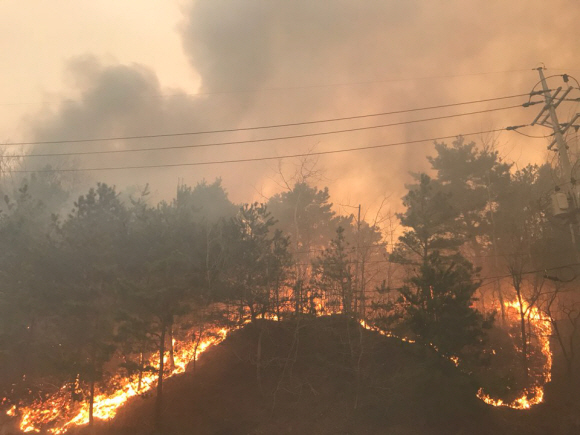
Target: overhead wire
(230, 130)
(547, 136)
(240, 142)
(256, 159)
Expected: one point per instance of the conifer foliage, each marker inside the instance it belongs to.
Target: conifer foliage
(436, 300)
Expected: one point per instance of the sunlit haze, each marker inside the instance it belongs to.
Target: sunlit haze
(101, 69)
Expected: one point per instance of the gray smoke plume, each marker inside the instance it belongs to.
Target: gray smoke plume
(269, 62)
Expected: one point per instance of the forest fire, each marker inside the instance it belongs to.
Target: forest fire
(540, 328)
(60, 413)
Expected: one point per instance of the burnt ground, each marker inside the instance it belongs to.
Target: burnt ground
(309, 377)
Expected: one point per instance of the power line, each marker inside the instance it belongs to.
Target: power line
(237, 142)
(293, 124)
(256, 159)
(534, 137)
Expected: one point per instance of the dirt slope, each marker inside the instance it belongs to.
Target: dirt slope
(310, 377)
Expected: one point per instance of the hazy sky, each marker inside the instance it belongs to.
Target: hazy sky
(86, 69)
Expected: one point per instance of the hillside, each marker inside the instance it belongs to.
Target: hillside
(309, 377)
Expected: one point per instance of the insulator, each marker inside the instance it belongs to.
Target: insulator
(560, 206)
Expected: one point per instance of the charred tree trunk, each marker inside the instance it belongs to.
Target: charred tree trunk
(159, 398)
(140, 378)
(524, 335)
(171, 350)
(495, 252)
(363, 296)
(516, 274)
(253, 313)
(196, 346)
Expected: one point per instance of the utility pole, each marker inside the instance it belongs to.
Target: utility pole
(565, 201)
(559, 130)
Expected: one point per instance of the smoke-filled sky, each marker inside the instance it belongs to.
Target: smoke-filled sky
(91, 69)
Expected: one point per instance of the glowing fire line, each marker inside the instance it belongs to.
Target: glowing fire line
(535, 394)
(530, 396)
(57, 407)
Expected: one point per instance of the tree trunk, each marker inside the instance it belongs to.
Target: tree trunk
(363, 296)
(495, 253)
(524, 335)
(171, 350)
(197, 343)
(159, 398)
(140, 379)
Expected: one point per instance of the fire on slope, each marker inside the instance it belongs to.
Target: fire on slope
(60, 413)
(541, 329)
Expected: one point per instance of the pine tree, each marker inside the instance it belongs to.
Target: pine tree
(334, 277)
(258, 260)
(93, 236)
(436, 301)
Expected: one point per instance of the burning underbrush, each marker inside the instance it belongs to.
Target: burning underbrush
(322, 375)
(515, 378)
(288, 370)
(59, 411)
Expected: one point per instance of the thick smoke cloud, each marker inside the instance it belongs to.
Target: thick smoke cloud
(127, 100)
(258, 44)
(267, 62)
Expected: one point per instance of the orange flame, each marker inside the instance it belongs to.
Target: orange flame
(59, 411)
(530, 396)
(535, 394)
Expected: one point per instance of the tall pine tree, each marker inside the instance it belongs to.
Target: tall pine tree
(436, 300)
